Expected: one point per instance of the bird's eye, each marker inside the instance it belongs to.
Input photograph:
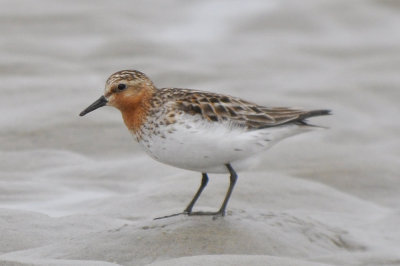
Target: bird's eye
(121, 86)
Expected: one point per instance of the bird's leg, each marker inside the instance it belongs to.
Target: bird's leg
(188, 210)
(204, 181)
(232, 183)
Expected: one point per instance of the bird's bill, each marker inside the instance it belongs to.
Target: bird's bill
(102, 101)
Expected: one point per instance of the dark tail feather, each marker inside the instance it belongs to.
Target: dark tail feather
(314, 113)
(302, 118)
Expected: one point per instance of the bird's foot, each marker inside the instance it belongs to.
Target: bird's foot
(215, 215)
(169, 216)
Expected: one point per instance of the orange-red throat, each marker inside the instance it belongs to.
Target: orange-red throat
(130, 91)
(134, 106)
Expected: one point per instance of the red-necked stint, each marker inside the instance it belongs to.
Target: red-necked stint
(197, 130)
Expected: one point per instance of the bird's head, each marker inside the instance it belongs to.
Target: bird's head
(124, 90)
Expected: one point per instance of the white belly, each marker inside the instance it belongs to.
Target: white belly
(208, 147)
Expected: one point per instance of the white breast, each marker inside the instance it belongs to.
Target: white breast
(193, 143)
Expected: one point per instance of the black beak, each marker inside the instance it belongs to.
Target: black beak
(97, 104)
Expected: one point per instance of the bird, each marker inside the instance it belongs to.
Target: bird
(197, 130)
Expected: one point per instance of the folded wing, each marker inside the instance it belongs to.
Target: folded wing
(219, 108)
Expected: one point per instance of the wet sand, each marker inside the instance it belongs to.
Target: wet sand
(80, 191)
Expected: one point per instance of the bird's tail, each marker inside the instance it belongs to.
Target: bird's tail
(302, 118)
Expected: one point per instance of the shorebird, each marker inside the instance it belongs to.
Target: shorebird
(197, 130)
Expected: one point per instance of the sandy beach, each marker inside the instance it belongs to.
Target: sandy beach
(80, 191)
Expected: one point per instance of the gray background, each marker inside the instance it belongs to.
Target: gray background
(76, 188)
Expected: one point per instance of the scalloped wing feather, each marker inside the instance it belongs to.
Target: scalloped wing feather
(222, 108)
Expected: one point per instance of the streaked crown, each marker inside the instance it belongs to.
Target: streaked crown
(125, 80)
(126, 75)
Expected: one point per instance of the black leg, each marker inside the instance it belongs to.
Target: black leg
(204, 181)
(188, 210)
(203, 184)
(232, 183)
